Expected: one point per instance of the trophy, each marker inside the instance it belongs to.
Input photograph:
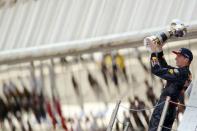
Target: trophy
(176, 29)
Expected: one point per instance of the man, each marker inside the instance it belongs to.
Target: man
(150, 93)
(177, 79)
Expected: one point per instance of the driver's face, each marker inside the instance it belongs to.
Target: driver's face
(181, 61)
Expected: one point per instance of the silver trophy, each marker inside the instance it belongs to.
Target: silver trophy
(177, 29)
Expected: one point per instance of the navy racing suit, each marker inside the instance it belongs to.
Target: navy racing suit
(177, 79)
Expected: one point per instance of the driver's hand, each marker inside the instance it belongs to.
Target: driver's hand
(156, 48)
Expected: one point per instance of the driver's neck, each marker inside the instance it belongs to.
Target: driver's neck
(182, 66)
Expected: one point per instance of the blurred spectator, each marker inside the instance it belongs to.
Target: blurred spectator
(3, 111)
(126, 121)
(104, 73)
(94, 125)
(87, 124)
(135, 114)
(115, 75)
(117, 126)
(111, 66)
(120, 62)
(143, 106)
(134, 105)
(150, 93)
(76, 124)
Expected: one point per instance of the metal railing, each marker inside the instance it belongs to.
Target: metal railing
(163, 115)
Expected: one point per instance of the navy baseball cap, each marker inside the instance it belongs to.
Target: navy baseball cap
(185, 52)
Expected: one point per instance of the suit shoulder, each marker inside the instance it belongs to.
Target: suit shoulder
(184, 71)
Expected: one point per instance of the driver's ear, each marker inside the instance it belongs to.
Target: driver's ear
(187, 60)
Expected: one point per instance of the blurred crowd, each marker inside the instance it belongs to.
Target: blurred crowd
(44, 108)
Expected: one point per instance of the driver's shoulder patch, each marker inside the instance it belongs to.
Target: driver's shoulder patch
(173, 71)
(176, 71)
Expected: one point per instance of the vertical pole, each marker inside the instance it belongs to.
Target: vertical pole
(113, 116)
(163, 115)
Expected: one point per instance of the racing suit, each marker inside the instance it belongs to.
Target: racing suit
(177, 79)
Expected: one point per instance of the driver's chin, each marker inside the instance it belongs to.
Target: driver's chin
(178, 65)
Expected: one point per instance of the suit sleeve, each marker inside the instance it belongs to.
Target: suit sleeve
(160, 68)
(161, 59)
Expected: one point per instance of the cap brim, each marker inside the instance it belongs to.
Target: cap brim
(176, 52)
